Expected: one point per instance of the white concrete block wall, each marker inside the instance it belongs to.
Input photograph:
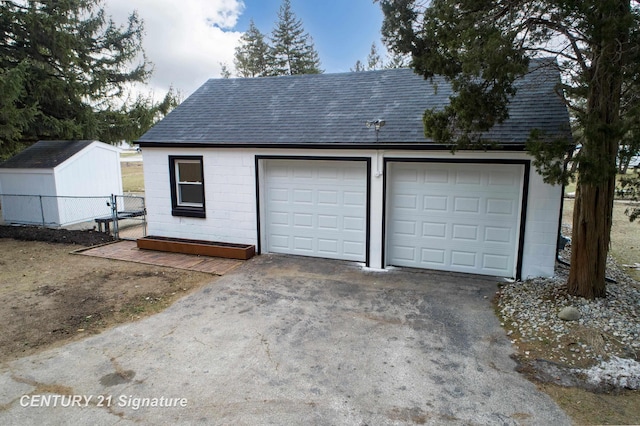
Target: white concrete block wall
(541, 235)
(231, 200)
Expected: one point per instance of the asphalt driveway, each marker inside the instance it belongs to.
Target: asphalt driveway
(289, 340)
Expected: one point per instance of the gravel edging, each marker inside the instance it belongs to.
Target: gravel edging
(599, 351)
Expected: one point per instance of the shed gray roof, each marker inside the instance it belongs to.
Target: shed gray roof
(45, 154)
(331, 110)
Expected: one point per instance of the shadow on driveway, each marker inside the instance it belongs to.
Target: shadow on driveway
(290, 340)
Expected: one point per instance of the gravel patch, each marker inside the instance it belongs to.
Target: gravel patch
(601, 348)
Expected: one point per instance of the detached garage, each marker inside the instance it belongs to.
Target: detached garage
(337, 166)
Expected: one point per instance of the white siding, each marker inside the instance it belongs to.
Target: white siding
(18, 206)
(92, 172)
(231, 205)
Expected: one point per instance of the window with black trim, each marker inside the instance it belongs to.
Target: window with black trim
(187, 186)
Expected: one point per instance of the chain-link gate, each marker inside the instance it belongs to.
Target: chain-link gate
(129, 217)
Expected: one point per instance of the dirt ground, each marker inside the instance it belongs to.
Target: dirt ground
(49, 296)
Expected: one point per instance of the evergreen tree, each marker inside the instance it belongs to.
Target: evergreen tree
(358, 67)
(65, 71)
(482, 47)
(252, 55)
(225, 72)
(293, 51)
(397, 60)
(374, 61)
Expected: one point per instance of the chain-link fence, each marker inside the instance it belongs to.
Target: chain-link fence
(122, 216)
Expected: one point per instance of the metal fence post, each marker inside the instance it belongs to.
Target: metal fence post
(41, 210)
(114, 215)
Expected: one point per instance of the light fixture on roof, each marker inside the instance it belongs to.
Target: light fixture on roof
(376, 124)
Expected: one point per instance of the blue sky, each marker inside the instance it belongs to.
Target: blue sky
(188, 40)
(342, 30)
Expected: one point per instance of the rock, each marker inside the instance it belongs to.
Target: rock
(569, 314)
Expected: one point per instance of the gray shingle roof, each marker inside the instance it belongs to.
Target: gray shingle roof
(331, 109)
(45, 154)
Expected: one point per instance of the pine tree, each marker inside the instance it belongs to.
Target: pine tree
(71, 67)
(374, 61)
(252, 55)
(225, 72)
(293, 51)
(358, 67)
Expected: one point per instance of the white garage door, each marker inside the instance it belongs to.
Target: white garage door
(316, 208)
(454, 217)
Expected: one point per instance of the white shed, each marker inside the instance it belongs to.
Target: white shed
(57, 183)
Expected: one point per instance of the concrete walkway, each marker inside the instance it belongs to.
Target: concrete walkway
(283, 340)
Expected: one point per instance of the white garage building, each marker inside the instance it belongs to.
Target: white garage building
(289, 165)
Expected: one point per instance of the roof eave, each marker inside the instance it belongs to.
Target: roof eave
(404, 146)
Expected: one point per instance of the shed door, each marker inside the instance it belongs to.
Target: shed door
(316, 208)
(454, 217)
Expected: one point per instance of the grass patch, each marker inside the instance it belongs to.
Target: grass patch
(132, 176)
(625, 236)
(571, 187)
(588, 408)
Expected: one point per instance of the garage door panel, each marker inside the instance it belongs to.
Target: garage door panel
(304, 244)
(436, 176)
(463, 259)
(437, 203)
(327, 246)
(328, 198)
(303, 220)
(405, 227)
(467, 177)
(406, 253)
(457, 217)
(434, 229)
(352, 198)
(466, 205)
(353, 248)
(497, 234)
(464, 233)
(433, 257)
(353, 224)
(497, 206)
(280, 218)
(328, 222)
(401, 201)
(325, 206)
(495, 262)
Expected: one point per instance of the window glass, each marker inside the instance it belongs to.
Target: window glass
(187, 187)
(189, 171)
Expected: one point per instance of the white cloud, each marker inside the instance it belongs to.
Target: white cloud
(186, 40)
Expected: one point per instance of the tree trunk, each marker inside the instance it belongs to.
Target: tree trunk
(590, 241)
(595, 190)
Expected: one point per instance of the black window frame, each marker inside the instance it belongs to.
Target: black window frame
(176, 208)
